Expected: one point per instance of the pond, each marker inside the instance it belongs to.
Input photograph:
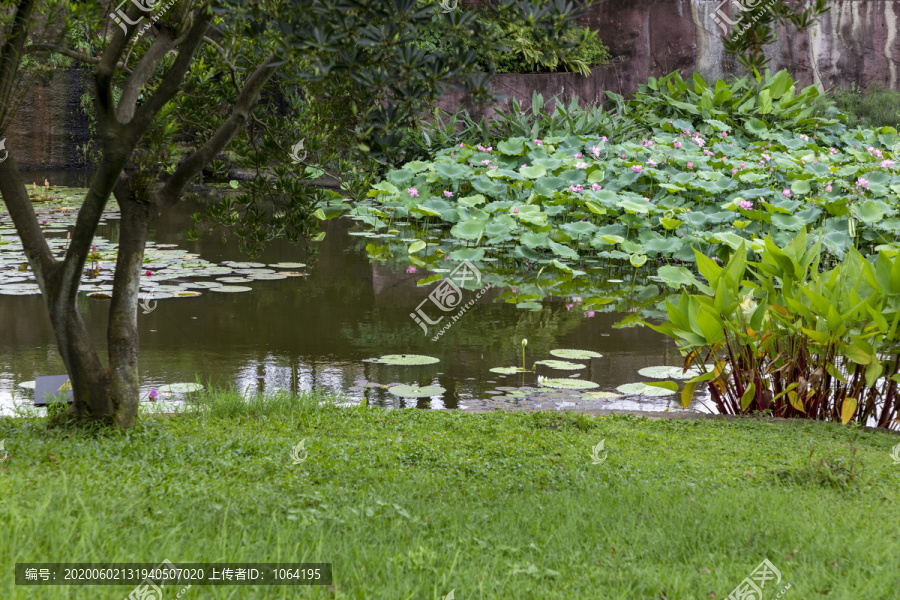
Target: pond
(322, 328)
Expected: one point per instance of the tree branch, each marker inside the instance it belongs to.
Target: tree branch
(11, 55)
(84, 58)
(171, 83)
(192, 166)
(164, 41)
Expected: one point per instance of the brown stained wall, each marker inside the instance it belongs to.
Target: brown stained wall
(857, 42)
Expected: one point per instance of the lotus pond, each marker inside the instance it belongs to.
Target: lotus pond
(334, 320)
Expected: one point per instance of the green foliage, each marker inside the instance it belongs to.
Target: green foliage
(756, 23)
(523, 47)
(752, 103)
(788, 338)
(876, 107)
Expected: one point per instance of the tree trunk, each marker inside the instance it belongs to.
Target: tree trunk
(122, 335)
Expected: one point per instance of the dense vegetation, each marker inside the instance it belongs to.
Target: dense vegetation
(684, 170)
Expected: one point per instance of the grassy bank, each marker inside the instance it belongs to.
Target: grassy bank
(414, 504)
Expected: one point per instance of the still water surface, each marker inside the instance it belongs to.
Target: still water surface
(317, 332)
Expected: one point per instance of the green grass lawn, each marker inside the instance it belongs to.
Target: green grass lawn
(414, 504)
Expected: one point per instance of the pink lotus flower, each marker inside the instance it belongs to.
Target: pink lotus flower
(462, 145)
(596, 187)
(576, 298)
(515, 211)
(651, 163)
(804, 137)
(413, 192)
(741, 166)
(589, 314)
(766, 156)
(677, 144)
(863, 183)
(448, 193)
(637, 168)
(724, 134)
(833, 150)
(786, 192)
(149, 273)
(623, 156)
(523, 165)
(492, 167)
(410, 269)
(569, 306)
(576, 188)
(690, 165)
(578, 155)
(581, 165)
(828, 188)
(603, 138)
(485, 162)
(153, 395)
(595, 151)
(538, 142)
(734, 171)
(887, 164)
(762, 163)
(746, 204)
(699, 141)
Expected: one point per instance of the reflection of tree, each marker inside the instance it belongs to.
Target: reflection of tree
(493, 328)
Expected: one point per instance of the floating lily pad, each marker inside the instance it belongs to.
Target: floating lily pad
(409, 391)
(562, 365)
(180, 388)
(407, 359)
(642, 389)
(569, 384)
(599, 395)
(287, 265)
(243, 265)
(231, 289)
(575, 354)
(234, 279)
(269, 276)
(202, 285)
(670, 372)
(507, 370)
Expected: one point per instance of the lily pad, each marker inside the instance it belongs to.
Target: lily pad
(575, 354)
(562, 365)
(507, 370)
(669, 372)
(287, 265)
(407, 359)
(410, 391)
(180, 388)
(642, 389)
(234, 279)
(599, 395)
(569, 384)
(229, 289)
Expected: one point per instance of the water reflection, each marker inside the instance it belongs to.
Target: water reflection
(317, 332)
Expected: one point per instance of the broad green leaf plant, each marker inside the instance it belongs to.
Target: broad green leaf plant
(784, 337)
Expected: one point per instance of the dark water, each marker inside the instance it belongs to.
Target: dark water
(317, 332)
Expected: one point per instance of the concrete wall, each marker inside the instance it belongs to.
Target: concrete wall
(858, 41)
